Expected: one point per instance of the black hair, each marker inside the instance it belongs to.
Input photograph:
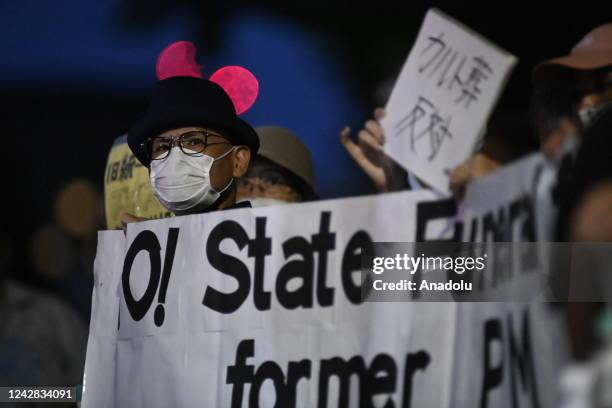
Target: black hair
(549, 104)
(593, 165)
(508, 135)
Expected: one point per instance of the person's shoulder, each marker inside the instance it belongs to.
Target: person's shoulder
(52, 330)
(40, 306)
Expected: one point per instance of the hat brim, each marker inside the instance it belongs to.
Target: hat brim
(235, 129)
(560, 68)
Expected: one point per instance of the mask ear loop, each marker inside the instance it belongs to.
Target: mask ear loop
(231, 179)
(226, 187)
(225, 154)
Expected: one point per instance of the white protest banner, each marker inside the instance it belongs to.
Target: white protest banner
(262, 307)
(262, 331)
(442, 99)
(512, 204)
(100, 363)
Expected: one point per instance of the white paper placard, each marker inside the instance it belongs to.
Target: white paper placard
(441, 101)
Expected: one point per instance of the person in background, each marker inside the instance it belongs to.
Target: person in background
(42, 339)
(554, 120)
(576, 94)
(194, 145)
(569, 93)
(585, 215)
(281, 172)
(585, 74)
(592, 170)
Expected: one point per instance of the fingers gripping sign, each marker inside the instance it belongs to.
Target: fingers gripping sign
(368, 153)
(376, 173)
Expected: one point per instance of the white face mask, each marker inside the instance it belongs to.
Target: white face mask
(569, 147)
(257, 202)
(182, 182)
(590, 114)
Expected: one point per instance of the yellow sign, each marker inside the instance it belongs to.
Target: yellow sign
(127, 188)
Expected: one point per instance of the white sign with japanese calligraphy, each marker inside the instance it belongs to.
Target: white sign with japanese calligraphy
(443, 97)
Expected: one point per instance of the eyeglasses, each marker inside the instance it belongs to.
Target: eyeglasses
(192, 143)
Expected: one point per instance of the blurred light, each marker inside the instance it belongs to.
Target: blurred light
(77, 209)
(50, 252)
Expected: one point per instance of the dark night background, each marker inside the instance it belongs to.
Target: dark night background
(76, 74)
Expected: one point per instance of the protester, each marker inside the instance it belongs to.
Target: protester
(569, 93)
(585, 189)
(194, 145)
(191, 139)
(584, 215)
(586, 73)
(554, 120)
(42, 340)
(281, 172)
(582, 80)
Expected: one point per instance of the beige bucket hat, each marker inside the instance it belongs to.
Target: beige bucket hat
(284, 148)
(594, 51)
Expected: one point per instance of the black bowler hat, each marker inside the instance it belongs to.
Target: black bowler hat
(181, 101)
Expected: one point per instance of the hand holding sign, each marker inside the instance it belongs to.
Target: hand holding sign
(368, 153)
(476, 166)
(442, 98)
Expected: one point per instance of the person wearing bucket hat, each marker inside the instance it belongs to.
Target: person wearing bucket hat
(570, 92)
(591, 56)
(281, 172)
(575, 98)
(191, 138)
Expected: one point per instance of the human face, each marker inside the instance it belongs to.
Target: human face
(216, 145)
(255, 187)
(267, 180)
(595, 87)
(552, 145)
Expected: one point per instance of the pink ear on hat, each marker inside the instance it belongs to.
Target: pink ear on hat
(178, 59)
(240, 84)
